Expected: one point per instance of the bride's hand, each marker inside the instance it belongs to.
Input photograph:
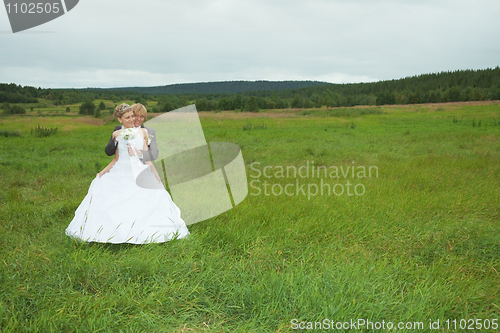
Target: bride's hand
(131, 152)
(116, 134)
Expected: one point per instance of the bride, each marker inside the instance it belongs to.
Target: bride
(115, 209)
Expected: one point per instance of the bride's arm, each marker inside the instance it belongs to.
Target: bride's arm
(113, 161)
(109, 166)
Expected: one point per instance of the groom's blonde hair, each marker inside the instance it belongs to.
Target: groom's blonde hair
(139, 109)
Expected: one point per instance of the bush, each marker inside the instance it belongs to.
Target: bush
(16, 109)
(87, 108)
(8, 133)
(142, 100)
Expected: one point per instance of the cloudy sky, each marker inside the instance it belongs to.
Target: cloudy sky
(117, 43)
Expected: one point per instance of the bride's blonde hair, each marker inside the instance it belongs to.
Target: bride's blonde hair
(121, 109)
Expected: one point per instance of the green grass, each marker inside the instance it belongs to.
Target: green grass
(6, 133)
(422, 243)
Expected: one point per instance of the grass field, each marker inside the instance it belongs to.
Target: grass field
(420, 244)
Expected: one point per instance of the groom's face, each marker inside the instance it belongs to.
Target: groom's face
(139, 119)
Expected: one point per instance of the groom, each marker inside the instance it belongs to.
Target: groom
(146, 156)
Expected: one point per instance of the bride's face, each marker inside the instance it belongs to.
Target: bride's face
(127, 119)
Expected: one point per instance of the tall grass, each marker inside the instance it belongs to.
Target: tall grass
(422, 243)
(41, 132)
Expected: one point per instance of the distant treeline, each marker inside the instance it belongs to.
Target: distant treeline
(13, 93)
(466, 85)
(224, 87)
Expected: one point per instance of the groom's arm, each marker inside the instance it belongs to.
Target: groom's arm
(112, 144)
(152, 153)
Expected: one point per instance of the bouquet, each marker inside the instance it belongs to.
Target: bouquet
(128, 134)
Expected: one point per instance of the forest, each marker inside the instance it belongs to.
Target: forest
(460, 85)
(224, 87)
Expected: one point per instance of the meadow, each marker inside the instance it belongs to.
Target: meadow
(415, 241)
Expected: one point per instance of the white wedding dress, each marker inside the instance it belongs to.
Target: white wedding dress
(116, 210)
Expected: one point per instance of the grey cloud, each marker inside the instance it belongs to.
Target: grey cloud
(231, 40)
